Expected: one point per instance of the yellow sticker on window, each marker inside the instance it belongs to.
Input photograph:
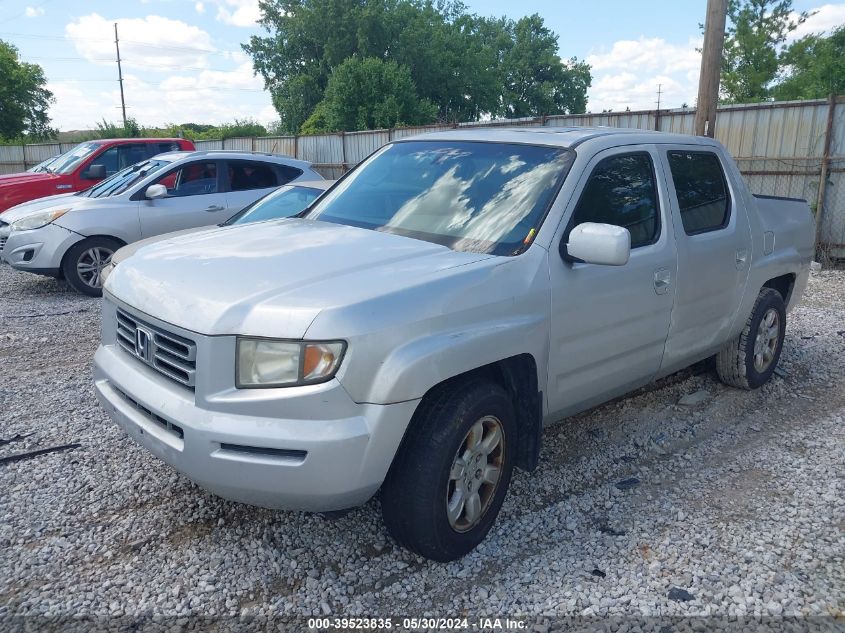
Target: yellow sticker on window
(529, 237)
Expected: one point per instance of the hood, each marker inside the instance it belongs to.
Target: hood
(130, 249)
(270, 278)
(26, 177)
(37, 206)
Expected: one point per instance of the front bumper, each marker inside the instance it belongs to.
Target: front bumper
(320, 452)
(40, 250)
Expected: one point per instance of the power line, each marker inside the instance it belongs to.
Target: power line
(205, 51)
(129, 60)
(17, 15)
(158, 85)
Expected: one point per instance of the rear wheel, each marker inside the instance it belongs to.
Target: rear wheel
(84, 263)
(750, 359)
(450, 476)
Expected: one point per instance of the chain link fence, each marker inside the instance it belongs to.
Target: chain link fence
(830, 215)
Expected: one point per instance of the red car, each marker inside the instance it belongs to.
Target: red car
(83, 166)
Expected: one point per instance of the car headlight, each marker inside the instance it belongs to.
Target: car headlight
(270, 363)
(38, 220)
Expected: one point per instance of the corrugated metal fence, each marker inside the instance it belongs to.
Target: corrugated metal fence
(782, 148)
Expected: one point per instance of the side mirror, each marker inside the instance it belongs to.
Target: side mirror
(604, 244)
(94, 172)
(155, 191)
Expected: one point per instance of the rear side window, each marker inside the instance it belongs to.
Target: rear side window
(161, 148)
(702, 190)
(245, 175)
(287, 173)
(621, 191)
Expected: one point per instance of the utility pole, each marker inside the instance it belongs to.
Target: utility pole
(120, 75)
(657, 113)
(711, 65)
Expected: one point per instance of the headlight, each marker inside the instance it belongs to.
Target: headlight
(38, 220)
(270, 363)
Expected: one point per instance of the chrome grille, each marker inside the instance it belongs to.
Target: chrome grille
(172, 355)
(3, 234)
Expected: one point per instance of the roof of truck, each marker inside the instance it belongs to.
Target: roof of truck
(564, 136)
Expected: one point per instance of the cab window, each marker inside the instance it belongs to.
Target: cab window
(702, 191)
(121, 156)
(622, 191)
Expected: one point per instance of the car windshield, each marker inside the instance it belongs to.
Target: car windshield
(285, 202)
(69, 161)
(122, 180)
(470, 196)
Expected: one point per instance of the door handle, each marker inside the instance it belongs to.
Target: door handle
(214, 207)
(662, 280)
(741, 257)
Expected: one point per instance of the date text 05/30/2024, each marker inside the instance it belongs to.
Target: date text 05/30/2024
(425, 623)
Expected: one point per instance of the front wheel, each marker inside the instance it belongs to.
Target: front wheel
(449, 478)
(84, 263)
(749, 360)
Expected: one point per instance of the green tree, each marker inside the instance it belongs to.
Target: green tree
(366, 94)
(535, 80)
(456, 60)
(756, 32)
(23, 98)
(814, 67)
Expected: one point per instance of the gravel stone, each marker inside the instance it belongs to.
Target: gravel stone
(740, 502)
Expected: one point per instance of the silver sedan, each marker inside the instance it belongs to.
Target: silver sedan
(75, 235)
(285, 202)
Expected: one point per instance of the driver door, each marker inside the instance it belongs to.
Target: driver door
(194, 198)
(609, 323)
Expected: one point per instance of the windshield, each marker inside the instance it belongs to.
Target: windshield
(122, 180)
(285, 202)
(69, 161)
(470, 196)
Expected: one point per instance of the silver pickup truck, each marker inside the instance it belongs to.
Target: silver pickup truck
(415, 330)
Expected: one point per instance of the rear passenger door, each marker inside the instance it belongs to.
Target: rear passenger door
(194, 198)
(714, 252)
(248, 180)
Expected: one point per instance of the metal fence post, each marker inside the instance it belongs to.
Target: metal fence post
(825, 166)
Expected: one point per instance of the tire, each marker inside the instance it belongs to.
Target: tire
(85, 260)
(426, 474)
(748, 361)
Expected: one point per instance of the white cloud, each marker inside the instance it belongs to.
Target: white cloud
(628, 75)
(826, 18)
(200, 7)
(168, 77)
(77, 108)
(34, 12)
(238, 12)
(152, 42)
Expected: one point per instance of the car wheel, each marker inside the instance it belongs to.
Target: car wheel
(750, 359)
(449, 478)
(84, 262)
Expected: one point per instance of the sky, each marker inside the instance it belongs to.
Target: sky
(182, 60)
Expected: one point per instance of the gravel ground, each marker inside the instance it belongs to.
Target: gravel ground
(732, 506)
